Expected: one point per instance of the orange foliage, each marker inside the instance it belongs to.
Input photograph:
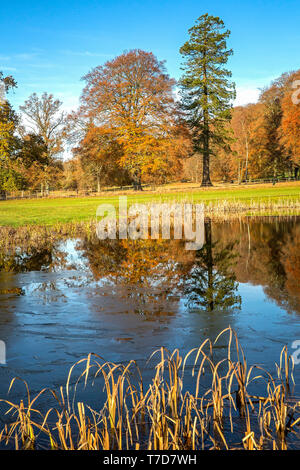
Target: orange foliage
(290, 126)
(133, 96)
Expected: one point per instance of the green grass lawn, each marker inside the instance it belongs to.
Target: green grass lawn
(64, 210)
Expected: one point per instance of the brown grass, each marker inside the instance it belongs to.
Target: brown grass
(40, 235)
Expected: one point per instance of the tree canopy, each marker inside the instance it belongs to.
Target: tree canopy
(207, 91)
(133, 126)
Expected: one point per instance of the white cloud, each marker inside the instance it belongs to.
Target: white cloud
(246, 95)
(27, 55)
(8, 69)
(84, 53)
(70, 101)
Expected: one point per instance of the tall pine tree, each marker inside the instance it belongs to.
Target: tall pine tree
(9, 178)
(207, 91)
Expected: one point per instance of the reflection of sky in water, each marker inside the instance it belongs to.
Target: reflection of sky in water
(74, 256)
(65, 313)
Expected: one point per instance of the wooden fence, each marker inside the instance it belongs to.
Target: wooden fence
(53, 193)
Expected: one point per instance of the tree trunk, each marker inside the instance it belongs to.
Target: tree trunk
(206, 171)
(275, 169)
(206, 154)
(98, 184)
(239, 172)
(247, 159)
(137, 181)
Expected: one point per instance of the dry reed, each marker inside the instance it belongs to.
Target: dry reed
(218, 411)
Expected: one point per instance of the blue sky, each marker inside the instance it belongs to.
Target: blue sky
(50, 45)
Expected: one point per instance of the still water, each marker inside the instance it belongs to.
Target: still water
(62, 299)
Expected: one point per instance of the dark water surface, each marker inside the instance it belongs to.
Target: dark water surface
(61, 300)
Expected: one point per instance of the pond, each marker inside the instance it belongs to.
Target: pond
(64, 298)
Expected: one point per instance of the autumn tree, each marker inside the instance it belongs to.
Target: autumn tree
(10, 179)
(243, 123)
(33, 163)
(166, 155)
(207, 91)
(133, 96)
(223, 165)
(7, 113)
(264, 144)
(99, 153)
(191, 168)
(32, 148)
(275, 154)
(44, 118)
(290, 124)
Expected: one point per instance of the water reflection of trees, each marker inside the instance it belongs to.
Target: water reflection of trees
(269, 256)
(211, 283)
(44, 258)
(148, 271)
(265, 253)
(239, 251)
(158, 270)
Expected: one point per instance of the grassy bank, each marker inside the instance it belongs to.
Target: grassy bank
(221, 410)
(65, 210)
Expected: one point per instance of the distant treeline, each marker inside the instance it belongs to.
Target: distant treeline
(131, 127)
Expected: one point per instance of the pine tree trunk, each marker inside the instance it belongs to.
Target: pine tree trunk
(206, 171)
(206, 156)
